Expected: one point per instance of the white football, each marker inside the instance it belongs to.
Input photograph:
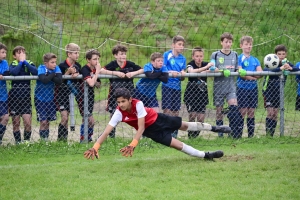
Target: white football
(271, 61)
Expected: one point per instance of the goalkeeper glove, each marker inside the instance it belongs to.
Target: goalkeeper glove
(92, 152)
(128, 150)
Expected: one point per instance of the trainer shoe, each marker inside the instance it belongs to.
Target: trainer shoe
(213, 154)
(222, 129)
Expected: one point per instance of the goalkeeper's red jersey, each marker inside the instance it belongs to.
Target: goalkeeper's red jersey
(137, 111)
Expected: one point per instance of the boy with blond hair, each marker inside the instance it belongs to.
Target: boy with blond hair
(247, 92)
(69, 67)
(171, 91)
(20, 93)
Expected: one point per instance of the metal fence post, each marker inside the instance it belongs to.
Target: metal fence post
(86, 112)
(72, 115)
(282, 80)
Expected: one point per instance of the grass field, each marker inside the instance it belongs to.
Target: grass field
(262, 168)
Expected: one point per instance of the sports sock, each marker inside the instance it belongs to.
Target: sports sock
(27, 135)
(268, 126)
(192, 151)
(236, 121)
(250, 126)
(197, 126)
(90, 132)
(81, 132)
(62, 132)
(17, 136)
(44, 134)
(273, 124)
(219, 123)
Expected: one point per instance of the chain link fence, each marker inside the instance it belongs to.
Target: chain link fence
(196, 103)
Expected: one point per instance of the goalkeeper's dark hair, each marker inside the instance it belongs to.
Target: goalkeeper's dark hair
(122, 92)
(89, 54)
(2, 46)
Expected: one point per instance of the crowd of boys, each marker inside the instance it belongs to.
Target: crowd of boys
(51, 92)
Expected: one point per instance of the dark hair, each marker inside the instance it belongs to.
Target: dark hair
(2, 46)
(227, 36)
(89, 54)
(18, 49)
(122, 92)
(197, 49)
(280, 47)
(48, 56)
(118, 48)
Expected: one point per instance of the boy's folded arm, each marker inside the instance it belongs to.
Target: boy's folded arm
(46, 78)
(15, 69)
(153, 75)
(164, 77)
(31, 67)
(57, 79)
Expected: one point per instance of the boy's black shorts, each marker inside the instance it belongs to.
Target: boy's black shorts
(19, 106)
(271, 98)
(62, 102)
(160, 131)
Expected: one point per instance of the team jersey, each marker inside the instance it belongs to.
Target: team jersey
(45, 92)
(249, 64)
(147, 86)
(63, 68)
(69, 85)
(21, 88)
(127, 67)
(273, 82)
(194, 66)
(3, 90)
(174, 64)
(225, 61)
(131, 118)
(87, 73)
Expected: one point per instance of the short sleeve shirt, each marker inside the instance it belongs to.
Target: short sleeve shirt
(174, 64)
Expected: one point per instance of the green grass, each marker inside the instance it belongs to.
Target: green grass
(251, 169)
